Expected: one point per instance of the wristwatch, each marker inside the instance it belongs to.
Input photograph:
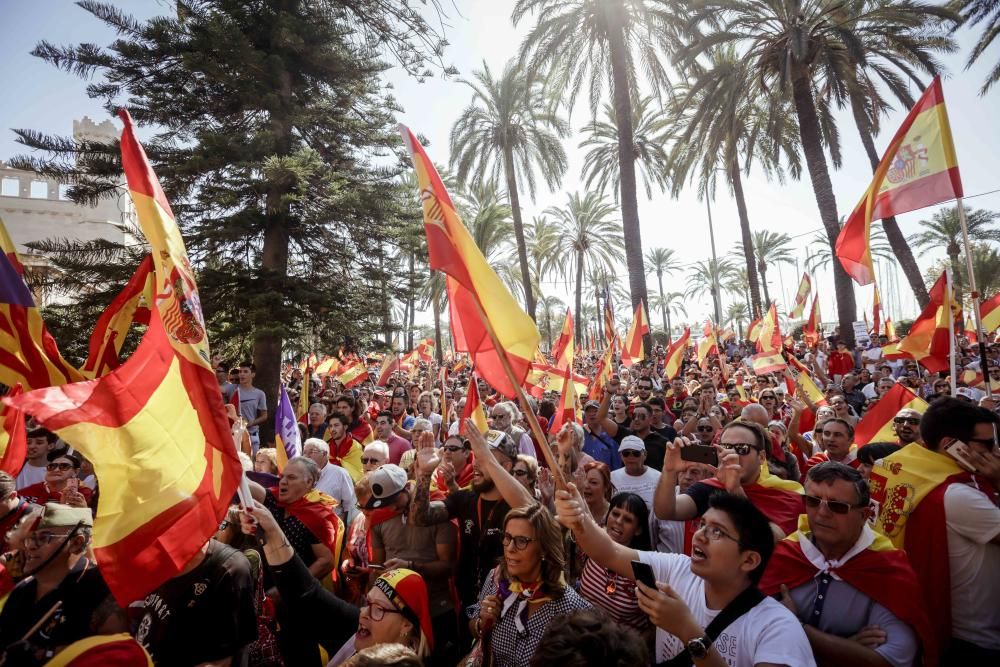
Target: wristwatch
(698, 647)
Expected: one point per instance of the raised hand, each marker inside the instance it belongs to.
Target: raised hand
(571, 509)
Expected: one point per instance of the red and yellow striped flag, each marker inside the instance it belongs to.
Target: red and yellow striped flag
(480, 305)
(876, 312)
(562, 351)
(353, 374)
(131, 305)
(674, 360)
(919, 168)
(632, 350)
(604, 369)
(801, 297)
(474, 408)
(989, 310)
(970, 331)
(876, 425)
(566, 410)
(890, 330)
(928, 339)
(13, 437)
(768, 362)
(707, 345)
(811, 331)
(769, 335)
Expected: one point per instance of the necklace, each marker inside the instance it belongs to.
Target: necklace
(611, 581)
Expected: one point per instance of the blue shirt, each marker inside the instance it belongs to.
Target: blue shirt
(602, 448)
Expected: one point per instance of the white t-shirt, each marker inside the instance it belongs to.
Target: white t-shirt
(973, 521)
(643, 485)
(870, 358)
(767, 633)
(30, 475)
(335, 482)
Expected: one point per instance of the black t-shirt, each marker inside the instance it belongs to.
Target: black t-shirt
(206, 614)
(81, 592)
(656, 446)
(480, 528)
(700, 493)
(298, 535)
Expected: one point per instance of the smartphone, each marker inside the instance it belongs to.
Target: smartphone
(373, 566)
(700, 454)
(72, 485)
(644, 573)
(959, 451)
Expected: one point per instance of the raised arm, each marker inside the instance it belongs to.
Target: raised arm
(512, 490)
(667, 504)
(572, 512)
(423, 512)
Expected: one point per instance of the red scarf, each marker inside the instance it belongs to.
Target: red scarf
(463, 479)
(317, 515)
(884, 575)
(342, 449)
(780, 506)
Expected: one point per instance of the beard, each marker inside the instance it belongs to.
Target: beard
(483, 486)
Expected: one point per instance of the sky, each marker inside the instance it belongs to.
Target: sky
(40, 97)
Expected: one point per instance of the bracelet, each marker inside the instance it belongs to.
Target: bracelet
(479, 628)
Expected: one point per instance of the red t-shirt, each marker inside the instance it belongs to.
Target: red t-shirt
(40, 494)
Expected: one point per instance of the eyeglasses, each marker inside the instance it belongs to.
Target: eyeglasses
(835, 506)
(629, 453)
(520, 542)
(36, 540)
(741, 448)
(498, 417)
(378, 612)
(706, 429)
(714, 533)
(520, 473)
(452, 448)
(59, 466)
(912, 421)
(223, 525)
(367, 461)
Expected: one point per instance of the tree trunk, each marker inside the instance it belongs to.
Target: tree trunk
(956, 271)
(614, 13)
(600, 315)
(666, 309)
(812, 146)
(411, 302)
(522, 248)
(548, 329)
(578, 322)
(438, 347)
(900, 248)
(736, 181)
(763, 282)
(663, 306)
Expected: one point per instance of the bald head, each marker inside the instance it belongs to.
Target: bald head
(757, 413)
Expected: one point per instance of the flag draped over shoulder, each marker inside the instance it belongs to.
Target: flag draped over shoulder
(801, 297)
(28, 353)
(876, 425)
(478, 301)
(928, 339)
(13, 437)
(919, 168)
(632, 350)
(131, 305)
(287, 442)
(675, 355)
(154, 428)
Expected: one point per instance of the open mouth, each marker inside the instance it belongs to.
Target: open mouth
(363, 632)
(615, 534)
(697, 555)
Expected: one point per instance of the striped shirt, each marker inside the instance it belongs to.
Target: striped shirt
(614, 594)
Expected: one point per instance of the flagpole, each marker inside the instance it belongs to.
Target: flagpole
(949, 296)
(974, 295)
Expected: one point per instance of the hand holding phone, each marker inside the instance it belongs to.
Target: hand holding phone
(643, 573)
(707, 454)
(959, 451)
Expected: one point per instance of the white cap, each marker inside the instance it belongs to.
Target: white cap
(632, 442)
(387, 482)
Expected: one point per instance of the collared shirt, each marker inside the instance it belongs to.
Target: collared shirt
(335, 482)
(602, 448)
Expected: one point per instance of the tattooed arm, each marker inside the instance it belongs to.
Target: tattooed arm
(422, 511)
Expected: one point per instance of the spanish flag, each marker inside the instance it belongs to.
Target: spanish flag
(764, 363)
(390, 365)
(478, 301)
(13, 437)
(329, 366)
(632, 350)
(876, 425)
(919, 168)
(353, 374)
(753, 330)
(474, 408)
(890, 330)
(811, 330)
(562, 351)
(907, 490)
(928, 339)
(880, 571)
(154, 427)
(675, 356)
(609, 320)
(876, 311)
(801, 297)
(536, 382)
(780, 500)
(707, 345)
(566, 411)
(604, 369)
(970, 331)
(28, 353)
(131, 305)
(989, 310)
(769, 335)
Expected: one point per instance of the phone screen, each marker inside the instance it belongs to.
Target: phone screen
(643, 573)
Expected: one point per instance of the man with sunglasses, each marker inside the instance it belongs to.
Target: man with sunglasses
(741, 455)
(950, 524)
(730, 551)
(63, 593)
(906, 426)
(856, 595)
(636, 477)
(62, 484)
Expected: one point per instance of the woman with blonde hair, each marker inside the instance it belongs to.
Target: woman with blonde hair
(525, 592)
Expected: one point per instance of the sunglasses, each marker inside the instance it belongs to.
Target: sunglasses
(520, 473)
(59, 466)
(835, 506)
(912, 421)
(741, 448)
(629, 453)
(367, 461)
(705, 429)
(452, 448)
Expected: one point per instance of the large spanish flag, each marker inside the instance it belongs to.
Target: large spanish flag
(707, 344)
(478, 301)
(801, 297)
(28, 353)
(13, 437)
(876, 425)
(131, 305)
(353, 374)
(562, 351)
(928, 340)
(154, 428)
(769, 334)
(811, 330)
(632, 350)
(919, 168)
(674, 360)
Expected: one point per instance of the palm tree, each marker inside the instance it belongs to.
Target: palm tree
(723, 125)
(770, 248)
(510, 128)
(944, 230)
(988, 13)
(488, 218)
(708, 276)
(736, 314)
(986, 264)
(821, 257)
(550, 309)
(650, 132)
(600, 41)
(799, 47)
(671, 303)
(587, 236)
(739, 285)
(663, 261)
(539, 234)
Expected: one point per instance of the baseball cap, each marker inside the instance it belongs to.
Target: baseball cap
(965, 392)
(57, 515)
(503, 443)
(407, 591)
(387, 482)
(592, 404)
(632, 442)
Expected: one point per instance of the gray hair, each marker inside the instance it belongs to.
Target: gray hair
(511, 409)
(321, 406)
(422, 424)
(312, 470)
(578, 434)
(318, 443)
(380, 447)
(830, 471)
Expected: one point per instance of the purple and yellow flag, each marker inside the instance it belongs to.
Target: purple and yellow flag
(286, 431)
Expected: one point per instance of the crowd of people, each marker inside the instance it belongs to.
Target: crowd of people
(718, 517)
